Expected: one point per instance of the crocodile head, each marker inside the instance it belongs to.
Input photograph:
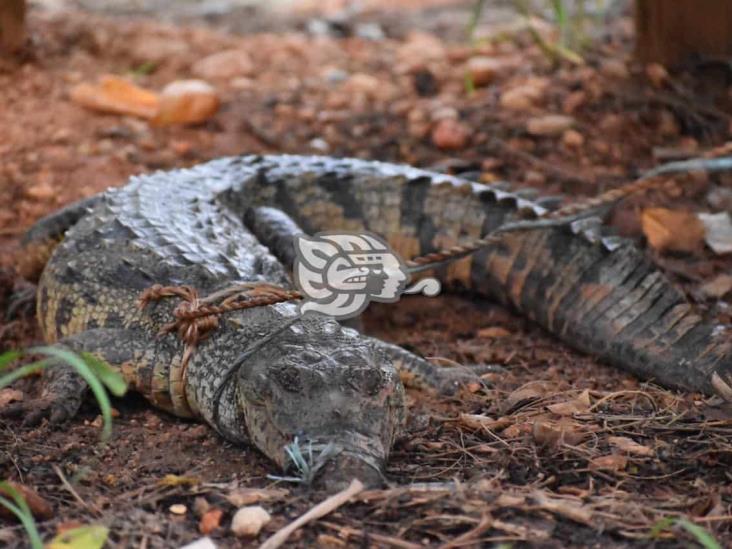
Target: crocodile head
(322, 395)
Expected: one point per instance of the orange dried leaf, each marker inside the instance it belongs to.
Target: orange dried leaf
(493, 332)
(632, 447)
(672, 230)
(574, 406)
(210, 520)
(116, 95)
(612, 462)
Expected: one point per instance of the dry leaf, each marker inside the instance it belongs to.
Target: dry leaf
(476, 421)
(672, 230)
(574, 406)
(493, 332)
(247, 496)
(718, 287)
(568, 509)
(176, 480)
(40, 508)
(210, 520)
(552, 433)
(8, 395)
(116, 95)
(612, 462)
(528, 391)
(632, 447)
(718, 232)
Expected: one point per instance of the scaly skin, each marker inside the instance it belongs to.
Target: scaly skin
(223, 222)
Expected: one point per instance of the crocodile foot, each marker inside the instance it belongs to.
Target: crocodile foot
(56, 409)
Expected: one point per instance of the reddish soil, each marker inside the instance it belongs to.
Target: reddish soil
(535, 464)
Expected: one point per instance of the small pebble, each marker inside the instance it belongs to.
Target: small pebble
(450, 134)
(248, 521)
(178, 509)
(549, 125)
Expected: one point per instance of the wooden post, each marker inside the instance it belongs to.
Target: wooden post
(12, 25)
(673, 31)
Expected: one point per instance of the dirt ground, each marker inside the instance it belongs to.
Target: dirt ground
(559, 451)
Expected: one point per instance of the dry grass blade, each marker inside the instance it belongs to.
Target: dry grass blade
(320, 510)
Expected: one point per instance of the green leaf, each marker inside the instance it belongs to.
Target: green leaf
(702, 536)
(111, 378)
(93, 536)
(21, 510)
(7, 358)
(23, 371)
(85, 372)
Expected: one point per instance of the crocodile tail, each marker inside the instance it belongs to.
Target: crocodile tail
(604, 297)
(598, 294)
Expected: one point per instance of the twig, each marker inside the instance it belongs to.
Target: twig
(320, 510)
(88, 506)
(380, 538)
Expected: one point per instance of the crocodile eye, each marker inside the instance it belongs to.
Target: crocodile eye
(288, 378)
(255, 390)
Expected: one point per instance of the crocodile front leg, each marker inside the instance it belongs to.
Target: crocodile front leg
(63, 388)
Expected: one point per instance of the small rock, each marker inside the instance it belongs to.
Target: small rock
(657, 75)
(614, 68)
(484, 70)
(573, 139)
(442, 113)
(450, 134)
(418, 49)
(718, 232)
(534, 178)
(319, 144)
(334, 75)
(200, 506)
(186, 102)
(178, 509)
(248, 521)
(549, 125)
(720, 198)
(718, 287)
(41, 191)
(667, 124)
(224, 65)
(522, 98)
(210, 521)
(363, 83)
(369, 31)
(202, 543)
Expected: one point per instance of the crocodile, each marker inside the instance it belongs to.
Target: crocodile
(267, 376)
